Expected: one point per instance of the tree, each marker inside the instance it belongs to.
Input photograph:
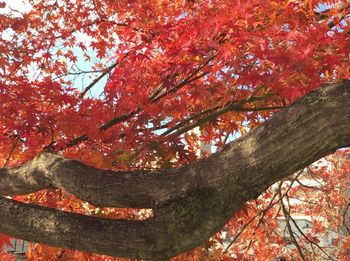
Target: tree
(277, 69)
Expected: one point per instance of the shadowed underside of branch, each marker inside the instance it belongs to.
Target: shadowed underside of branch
(190, 203)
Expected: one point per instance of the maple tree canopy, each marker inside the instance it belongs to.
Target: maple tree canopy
(113, 168)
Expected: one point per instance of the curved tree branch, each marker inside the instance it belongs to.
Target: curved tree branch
(190, 203)
(137, 189)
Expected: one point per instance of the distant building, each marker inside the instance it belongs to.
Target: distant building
(18, 248)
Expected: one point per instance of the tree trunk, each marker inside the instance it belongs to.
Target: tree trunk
(190, 203)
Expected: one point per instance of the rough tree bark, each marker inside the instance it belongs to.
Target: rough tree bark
(190, 203)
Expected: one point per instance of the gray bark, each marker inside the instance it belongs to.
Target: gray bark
(190, 203)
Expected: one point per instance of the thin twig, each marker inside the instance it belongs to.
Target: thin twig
(261, 213)
(231, 106)
(307, 238)
(187, 80)
(12, 150)
(291, 233)
(105, 72)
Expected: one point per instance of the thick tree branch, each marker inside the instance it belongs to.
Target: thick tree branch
(101, 187)
(190, 203)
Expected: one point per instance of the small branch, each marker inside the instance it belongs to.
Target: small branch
(12, 150)
(291, 233)
(96, 80)
(76, 141)
(271, 108)
(195, 116)
(261, 213)
(231, 106)
(184, 82)
(153, 97)
(105, 72)
(119, 119)
(345, 211)
(306, 186)
(307, 238)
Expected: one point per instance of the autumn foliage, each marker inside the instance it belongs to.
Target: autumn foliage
(171, 66)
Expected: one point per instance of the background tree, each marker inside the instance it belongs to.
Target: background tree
(171, 66)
